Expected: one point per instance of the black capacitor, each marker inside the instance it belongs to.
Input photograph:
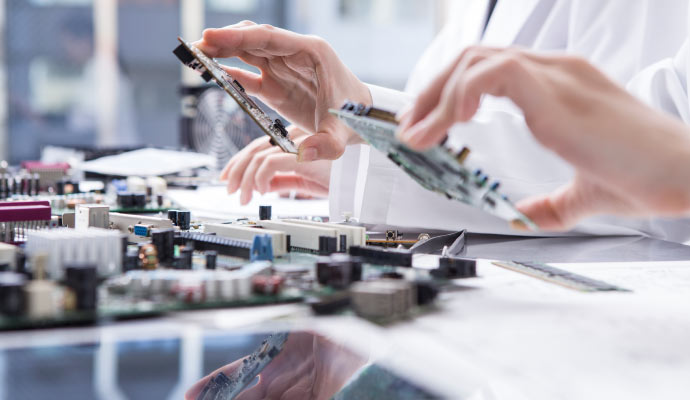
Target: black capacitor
(139, 200)
(454, 268)
(184, 219)
(211, 259)
(16, 185)
(12, 296)
(124, 200)
(4, 190)
(164, 241)
(264, 212)
(172, 216)
(343, 243)
(35, 184)
(60, 188)
(82, 279)
(327, 245)
(131, 260)
(186, 258)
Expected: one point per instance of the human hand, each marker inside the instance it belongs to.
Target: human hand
(630, 160)
(301, 78)
(265, 168)
(308, 367)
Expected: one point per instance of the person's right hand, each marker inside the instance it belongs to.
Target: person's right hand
(265, 168)
(301, 78)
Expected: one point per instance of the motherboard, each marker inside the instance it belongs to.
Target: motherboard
(209, 68)
(439, 169)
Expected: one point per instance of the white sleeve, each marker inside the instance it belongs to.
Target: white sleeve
(664, 85)
(348, 173)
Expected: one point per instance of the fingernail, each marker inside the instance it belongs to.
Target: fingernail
(519, 225)
(307, 154)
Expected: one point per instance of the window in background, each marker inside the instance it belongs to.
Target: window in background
(49, 45)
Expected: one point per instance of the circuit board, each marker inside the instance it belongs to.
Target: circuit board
(439, 169)
(559, 276)
(224, 387)
(209, 68)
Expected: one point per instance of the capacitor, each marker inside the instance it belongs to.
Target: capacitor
(35, 184)
(12, 297)
(264, 212)
(60, 187)
(82, 279)
(172, 216)
(211, 259)
(184, 219)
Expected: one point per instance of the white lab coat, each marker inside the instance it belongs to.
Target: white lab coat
(619, 36)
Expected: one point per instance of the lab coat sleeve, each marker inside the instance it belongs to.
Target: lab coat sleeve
(664, 85)
(345, 189)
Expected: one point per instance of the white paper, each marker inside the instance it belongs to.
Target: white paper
(147, 162)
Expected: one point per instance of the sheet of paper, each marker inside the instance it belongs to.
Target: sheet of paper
(147, 162)
(214, 202)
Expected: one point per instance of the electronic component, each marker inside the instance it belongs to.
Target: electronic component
(439, 169)
(184, 219)
(164, 241)
(327, 245)
(92, 215)
(102, 247)
(195, 59)
(82, 280)
(303, 237)
(454, 268)
(16, 218)
(379, 256)
(125, 223)
(262, 248)
(211, 259)
(559, 276)
(12, 300)
(264, 212)
(227, 387)
(172, 216)
(248, 232)
(329, 304)
(354, 235)
(224, 246)
(338, 270)
(267, 284)
(383, 298)
(8, 255)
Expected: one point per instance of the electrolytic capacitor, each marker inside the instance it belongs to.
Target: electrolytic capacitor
(184, 219)
(264, 212)
(172, 216)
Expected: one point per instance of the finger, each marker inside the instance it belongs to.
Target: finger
(247, 183)
(234, 171)
(327, 144)
(281, 162)
(505, 74)
(295, 182)
(250, 81)
(256, 392)
(194, 391)
(557, 211)
(429, 97)
(231, 41)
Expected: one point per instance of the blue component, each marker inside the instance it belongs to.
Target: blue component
(262, 248)
(120, 185)
(141, 230)
(495, 185)
(477, 172)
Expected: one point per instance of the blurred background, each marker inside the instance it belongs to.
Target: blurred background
(100, 73)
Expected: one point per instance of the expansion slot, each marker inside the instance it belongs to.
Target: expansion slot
(302, 236)
(245, 232)
(354, 235)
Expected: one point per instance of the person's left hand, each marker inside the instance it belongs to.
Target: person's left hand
(266, 168)
(308, 367)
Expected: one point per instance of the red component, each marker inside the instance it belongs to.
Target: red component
(15, 211)
(267, 284)
(35, 166)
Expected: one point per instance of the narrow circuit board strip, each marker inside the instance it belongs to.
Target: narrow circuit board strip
(228, 387)
(559, 276)
(209, 68)
(438, 169)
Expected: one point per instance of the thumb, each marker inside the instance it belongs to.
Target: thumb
(561, 209)
(321, 146)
